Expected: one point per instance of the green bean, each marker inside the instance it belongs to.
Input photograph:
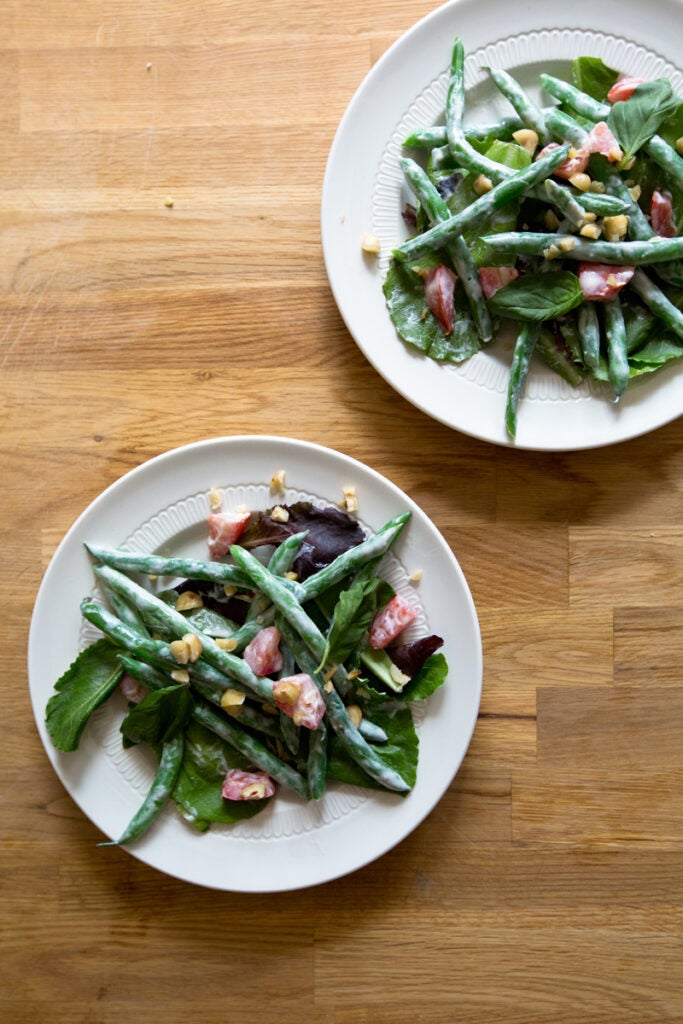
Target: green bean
(636, 253)
(529, 113)
(338, 717)
(558, 359)
(372, 732)
(126, 611)
(286, 604)
(280, 562)
(504, 192)
(602, 204)
(145, 673)
(519, 370)
(436, 136)
(565, 129)
(317, 762)
(455, 96)
(666, 157)
(354, 558)
(157, 652)
(159, 793)
(177, 624)
(617, 358)
(158, 565)
(252, 749)
(656, 300)
(290, 733)
(589, 331)
(579, 101)
(259, 721)
(458, 250)
(285, 554)
(427, 138)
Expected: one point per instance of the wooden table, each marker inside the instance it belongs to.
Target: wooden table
(161, 282)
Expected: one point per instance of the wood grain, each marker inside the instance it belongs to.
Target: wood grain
(547, 884)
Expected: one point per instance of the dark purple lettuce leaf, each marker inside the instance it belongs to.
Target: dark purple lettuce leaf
(330, 533)
(411, 657)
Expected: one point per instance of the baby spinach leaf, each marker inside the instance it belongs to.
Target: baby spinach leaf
(158, 716)
(538, 296)
(672, 128)
(634, 121)
(197, 793)
(399, 752)
(417, 326)
(353, 613)
(88, 681)
(592, 75)
(655, 354)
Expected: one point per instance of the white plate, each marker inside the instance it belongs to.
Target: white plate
(364, 192)
(162, 506)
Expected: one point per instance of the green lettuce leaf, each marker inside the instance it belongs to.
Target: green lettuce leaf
(400, 751)
(86, 684)
(538, 297)
(634, 121)
(159, 716)
(592, 75)
(417, 326)
(197, 794)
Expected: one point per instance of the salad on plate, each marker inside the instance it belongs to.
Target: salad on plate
(283, 659)
(563, 220)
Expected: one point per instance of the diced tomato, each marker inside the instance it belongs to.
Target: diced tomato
(300, 699)
(225, 528)
(439, 291)
(241, 785)
(662, 214)
(623, 88)
(601, 140)
(600, 282)
(131, 689)
(263, 654)
(493, 278)
(390, 621)
(573, 165)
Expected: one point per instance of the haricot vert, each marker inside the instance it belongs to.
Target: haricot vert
(244, 673)
(563, 217)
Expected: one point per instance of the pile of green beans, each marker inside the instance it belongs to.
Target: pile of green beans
(142, 626)
(449, 234)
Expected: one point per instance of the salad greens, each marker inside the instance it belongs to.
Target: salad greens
(564, 220)
(292, 679)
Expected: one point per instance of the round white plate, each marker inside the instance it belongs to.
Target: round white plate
(162, 506)
(364, 192)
